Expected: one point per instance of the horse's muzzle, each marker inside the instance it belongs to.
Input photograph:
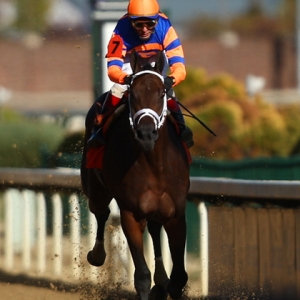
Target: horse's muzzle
(147, 136)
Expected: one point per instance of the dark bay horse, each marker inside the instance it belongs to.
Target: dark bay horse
(145, 168)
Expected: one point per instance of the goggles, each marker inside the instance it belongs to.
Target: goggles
(140, 24)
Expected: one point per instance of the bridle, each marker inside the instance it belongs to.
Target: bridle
(157, 119)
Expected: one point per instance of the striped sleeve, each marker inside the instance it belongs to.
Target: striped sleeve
(175, 55)
(116, 74)
(116, 51)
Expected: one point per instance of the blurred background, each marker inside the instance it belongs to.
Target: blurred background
(242, 59)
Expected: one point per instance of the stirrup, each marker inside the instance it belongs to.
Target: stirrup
(96, 140)
(186, 135)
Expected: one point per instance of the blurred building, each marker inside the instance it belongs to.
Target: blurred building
(62, 61)
(65, 63)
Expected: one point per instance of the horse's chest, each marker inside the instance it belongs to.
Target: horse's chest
(151, 202)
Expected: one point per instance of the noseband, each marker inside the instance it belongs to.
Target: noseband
(148, 112)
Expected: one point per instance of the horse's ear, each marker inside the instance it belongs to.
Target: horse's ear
(160, 61)
(134, 62)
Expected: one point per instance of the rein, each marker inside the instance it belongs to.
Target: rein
(157, 119)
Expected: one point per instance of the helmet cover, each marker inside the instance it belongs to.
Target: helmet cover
(143, 9)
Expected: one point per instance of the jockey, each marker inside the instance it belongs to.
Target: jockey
(146, 30)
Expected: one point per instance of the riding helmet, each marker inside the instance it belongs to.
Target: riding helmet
(143, 8)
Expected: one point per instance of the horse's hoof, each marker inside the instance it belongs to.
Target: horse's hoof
(92, 261)
(158, 293)
(174, 292)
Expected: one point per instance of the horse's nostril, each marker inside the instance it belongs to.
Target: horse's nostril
(147, 135)
(154, 134)
(139, 134)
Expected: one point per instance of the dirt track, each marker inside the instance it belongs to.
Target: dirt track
(25, 288)
(22, 292)
(10, 291)
(18, 291)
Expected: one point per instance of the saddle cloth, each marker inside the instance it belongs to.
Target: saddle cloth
(95, 158)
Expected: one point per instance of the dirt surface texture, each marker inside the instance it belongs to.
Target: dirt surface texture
(23, 292)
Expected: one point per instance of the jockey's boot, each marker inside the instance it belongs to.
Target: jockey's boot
(97, 138)
(185, 133)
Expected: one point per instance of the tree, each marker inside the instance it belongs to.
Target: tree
(32, 15)
(245, 127)
(287, 17)
(254, 21)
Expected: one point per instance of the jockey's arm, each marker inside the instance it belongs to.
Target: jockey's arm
(116, 74)
(174, 53)
(178, 71)
(116, 51)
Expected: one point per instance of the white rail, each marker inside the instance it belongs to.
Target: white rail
(25, 246)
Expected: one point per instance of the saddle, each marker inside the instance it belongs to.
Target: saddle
(112, 117)
(95, 155)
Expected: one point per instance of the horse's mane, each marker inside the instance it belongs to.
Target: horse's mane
(154, 63)
(150, 66)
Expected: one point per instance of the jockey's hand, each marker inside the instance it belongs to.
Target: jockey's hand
(128, 80)
(169, 82)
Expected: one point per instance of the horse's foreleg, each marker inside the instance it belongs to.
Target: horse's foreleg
(96, 257)
(98, 195)
(133, 231)
(161, 279)
(176, 231)
(160, 275)
(99, 199)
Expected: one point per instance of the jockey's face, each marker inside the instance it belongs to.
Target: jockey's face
(144, 27)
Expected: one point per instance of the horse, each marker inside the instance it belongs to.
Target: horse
(146, 170)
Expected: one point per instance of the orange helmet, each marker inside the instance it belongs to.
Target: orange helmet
(143, 8)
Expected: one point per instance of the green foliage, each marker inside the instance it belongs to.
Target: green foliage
(69, 152)
(22, 140)
(72, 143)
(245, 127)
(265, 135)
(254, 21)
(287, 17)
(32, 14)
(290, 114)
(196, 79)
(225, 120)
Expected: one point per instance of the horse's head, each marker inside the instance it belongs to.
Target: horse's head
(148, 103)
